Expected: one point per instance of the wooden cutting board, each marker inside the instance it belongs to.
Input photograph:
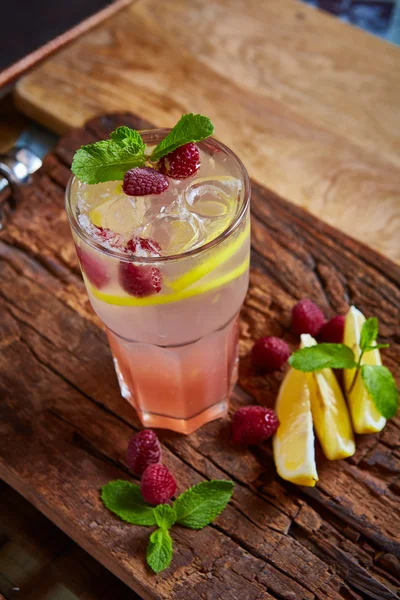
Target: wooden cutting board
(64, 427)
(309, 103)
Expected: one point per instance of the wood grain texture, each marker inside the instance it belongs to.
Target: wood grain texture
(69, 426)
(309, 103)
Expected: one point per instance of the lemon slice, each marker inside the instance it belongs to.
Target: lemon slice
(329, 411)
(125, 300)
(217, 258)
(293, 443)
(365, 417)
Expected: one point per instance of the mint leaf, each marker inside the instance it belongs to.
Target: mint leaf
(369, 332)
(107, 160)
(323, 356)
(198, 506)
(126, 135)
(382, 388)
(376, 347)
(159, 550)
(165, 515)
(190, 128)
(125, 500)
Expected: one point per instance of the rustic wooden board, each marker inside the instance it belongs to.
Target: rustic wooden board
(309, 103)
(64, 427)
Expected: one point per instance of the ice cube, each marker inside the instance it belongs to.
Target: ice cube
(176, 233)
(213, 197)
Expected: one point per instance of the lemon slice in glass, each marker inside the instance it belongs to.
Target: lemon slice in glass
(293, 443)
(329, 411)
(364, 415)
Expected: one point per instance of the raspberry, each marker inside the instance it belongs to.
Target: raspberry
(93, 269)
(143, 450)
(333, 331)
(181, 163)
(140, 281)
(307, 317)
(252, 425)
(143, 246)
(157, 485)
(270, 354)
(143, 181)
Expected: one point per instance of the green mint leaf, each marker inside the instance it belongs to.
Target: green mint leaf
(159, 550)
(382, 388)
(198, 506)
(190, 128)
(107, 160)
(125, 500)
(376, 347)
(369, 332)
(323, 356)
(165, 515)
(126, 135)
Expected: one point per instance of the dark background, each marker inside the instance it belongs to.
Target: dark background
(375, 16)
(27, 25)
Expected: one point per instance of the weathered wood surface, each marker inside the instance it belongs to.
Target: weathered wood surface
(309, 103)
(64, 427)
(39, 562)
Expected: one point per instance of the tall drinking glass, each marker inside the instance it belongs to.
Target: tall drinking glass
(175, 352)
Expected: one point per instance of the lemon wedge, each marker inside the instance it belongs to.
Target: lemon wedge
(365, 417)
(293, 443)
(329, 411)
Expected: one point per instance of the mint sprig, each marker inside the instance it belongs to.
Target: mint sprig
(159, 550)
(377, 379)
(125, 500)
(165, 515)
(382, 388)
(190, 128)
(195, 508)
(202, 503)
(109, 160)
(323, 356)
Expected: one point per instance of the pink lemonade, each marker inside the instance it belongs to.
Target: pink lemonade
(175, 351)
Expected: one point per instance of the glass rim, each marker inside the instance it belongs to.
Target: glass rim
(226, 233)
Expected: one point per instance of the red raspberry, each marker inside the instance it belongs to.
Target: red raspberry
(252, 425)
(143, 246)
(307, 317)
(270, 354)
(144, 181)
(157, 485)
(93, 269)
(140, 281)
(181, 163)
(143, 450)
(333, 331)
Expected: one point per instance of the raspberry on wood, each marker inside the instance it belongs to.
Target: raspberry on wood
(270, 354)
(144, 449)
(307, 317)
(158, 485)
(252, 425)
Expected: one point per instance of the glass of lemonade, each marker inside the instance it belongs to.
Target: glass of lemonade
(176, 350)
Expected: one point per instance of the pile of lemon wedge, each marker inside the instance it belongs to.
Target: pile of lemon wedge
(309, 402)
